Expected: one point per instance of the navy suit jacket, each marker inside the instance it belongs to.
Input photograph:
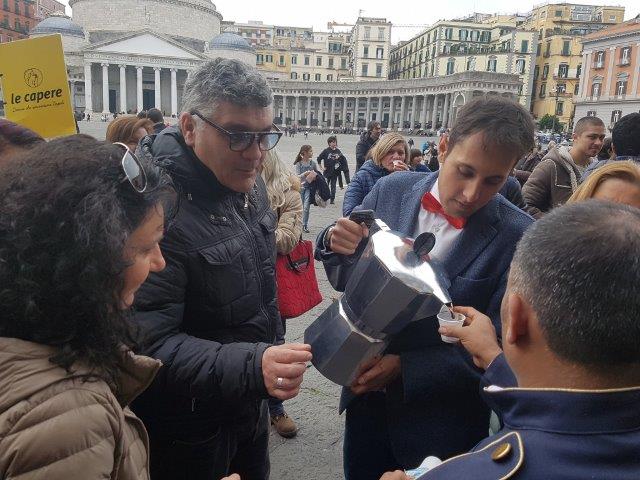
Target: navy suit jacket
(434, 407)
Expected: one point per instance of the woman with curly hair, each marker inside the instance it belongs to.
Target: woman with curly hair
(617, 182)
(129, 129)
(80, 222)
(15, 139)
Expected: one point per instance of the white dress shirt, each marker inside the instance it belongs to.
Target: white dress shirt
(445, 233)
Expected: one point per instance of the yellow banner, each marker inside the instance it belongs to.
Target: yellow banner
(35, 86)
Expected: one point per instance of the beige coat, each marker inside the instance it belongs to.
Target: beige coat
(54, 425)
(289, 226)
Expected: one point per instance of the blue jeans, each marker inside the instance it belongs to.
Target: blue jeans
(306, 205)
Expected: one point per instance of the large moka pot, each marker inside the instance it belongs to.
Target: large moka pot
(391, 285)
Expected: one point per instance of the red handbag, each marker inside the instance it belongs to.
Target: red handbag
(298, 290)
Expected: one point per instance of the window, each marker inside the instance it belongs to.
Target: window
(294, 76)
(520, 66)
(463, 34)
(558, 13)
(576, 88)
(578, 71)
(317, 77)
(330, 77)
(451, 65)
(615, 115)
(268, 58)
(595, 90)
(343, 63)
(524, 46)
(599, 59)
(471, 64)
(591, 113)
(330, 62)
(621, 87)
(566, 48)
(367, 33)
(559, 108)
(306, 76)
(318, 61)
(545, 71)
(563, 70)
(365, 69)
(380, 33)
(380, 53)
(492, 64)
(612, 18)
(294, 59)
(625, 56)
(378, 70)
(259, 59)
(307, 59)
(448, 33)
(366, 51)
(561, 88)
(281, 60)
(543, 89)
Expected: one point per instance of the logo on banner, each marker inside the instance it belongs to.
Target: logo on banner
(33, 77)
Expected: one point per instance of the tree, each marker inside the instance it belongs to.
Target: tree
(551, 122)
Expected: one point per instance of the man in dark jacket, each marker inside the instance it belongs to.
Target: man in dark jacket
(331, 159)
(367, 140)
(211, 315)
(157, 118)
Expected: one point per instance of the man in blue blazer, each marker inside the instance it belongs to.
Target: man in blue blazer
(422, 397)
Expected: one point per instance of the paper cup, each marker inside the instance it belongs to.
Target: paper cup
(445, 320)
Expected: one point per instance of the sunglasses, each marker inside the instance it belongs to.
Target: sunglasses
(133, 169)
(241, 141)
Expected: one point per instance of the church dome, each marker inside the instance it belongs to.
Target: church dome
(58, 23)
(230, 41)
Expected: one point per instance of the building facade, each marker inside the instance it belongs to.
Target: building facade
(370, 49)
(17, 18)
(44, 8)
(610, 84)
(561, 27)
(478, 44)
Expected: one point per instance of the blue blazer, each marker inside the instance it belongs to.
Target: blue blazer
(434, 407)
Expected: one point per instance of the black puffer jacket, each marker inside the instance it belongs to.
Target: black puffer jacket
(211, 313)
(365, 144)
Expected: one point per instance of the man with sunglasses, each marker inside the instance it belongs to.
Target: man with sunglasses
(211, 315)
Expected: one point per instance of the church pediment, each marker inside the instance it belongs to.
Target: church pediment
(147, 44)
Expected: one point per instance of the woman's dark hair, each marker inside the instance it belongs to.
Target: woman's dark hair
(605, 152)
(303, 149)
(66, 212)
(14, 134)
(124, 128)
(414, 152)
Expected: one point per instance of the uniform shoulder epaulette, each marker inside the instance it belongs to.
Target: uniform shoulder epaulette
(499, 460)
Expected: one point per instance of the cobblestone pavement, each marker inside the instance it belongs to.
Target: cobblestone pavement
(316, 453)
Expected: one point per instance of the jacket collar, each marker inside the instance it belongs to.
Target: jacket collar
(477, 234)
(567, 411)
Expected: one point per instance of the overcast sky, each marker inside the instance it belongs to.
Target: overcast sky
(317, 13)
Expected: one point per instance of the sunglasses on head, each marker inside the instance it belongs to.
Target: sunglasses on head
(241, 141)
(133, 169)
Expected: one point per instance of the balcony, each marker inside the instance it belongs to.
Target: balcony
(624, 62)
(598, 65)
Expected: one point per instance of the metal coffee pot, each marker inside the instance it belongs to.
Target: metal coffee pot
(392, 284)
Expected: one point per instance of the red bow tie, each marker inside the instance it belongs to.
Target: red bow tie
(431, 204)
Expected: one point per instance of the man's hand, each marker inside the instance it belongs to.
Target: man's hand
(376, 374)
(397, 475)
(345, 236)
(478, 337)
(311, 176)
(400, 166)
(283, 367)
(234, 476)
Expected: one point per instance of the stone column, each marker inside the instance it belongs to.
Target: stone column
(584, 75)
(139, 102)
(634, 88)
(391, 111)
(445, 111)
(403, 111)
(414, 107)
(379, 113)
(174, 91)
(284, 110)
(344, 112)
(88, 97)
(354, 117)
(296, 113)
(320, 110)
(158, 99)
(123, 88)
(105, 88)
(606, 89)
(434, 112)
(368, 114)
(309, 111)
(333, 112)
(423, 115)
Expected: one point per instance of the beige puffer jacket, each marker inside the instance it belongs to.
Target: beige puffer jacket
(54, 425)
(289, 226)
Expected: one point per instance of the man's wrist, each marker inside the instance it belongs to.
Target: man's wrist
(489, 359)
(327, 238)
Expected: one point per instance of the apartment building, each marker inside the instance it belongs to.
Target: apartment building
(559, 64)
(370, 49)
(610, 86)
(17, 18)
(480, 43)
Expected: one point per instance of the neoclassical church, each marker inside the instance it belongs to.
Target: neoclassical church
(128, 56)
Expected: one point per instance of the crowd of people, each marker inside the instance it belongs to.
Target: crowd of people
(141, 335)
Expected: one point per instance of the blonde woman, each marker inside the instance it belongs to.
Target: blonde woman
(388, 155)
(283, 191)
(617, 182)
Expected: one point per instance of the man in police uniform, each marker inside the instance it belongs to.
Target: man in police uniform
(567, 386)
